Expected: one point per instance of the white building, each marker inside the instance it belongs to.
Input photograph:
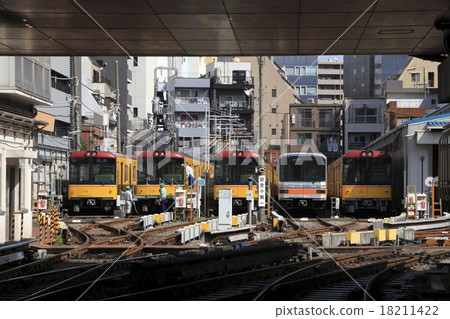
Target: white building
(24, 82)
(363, 122)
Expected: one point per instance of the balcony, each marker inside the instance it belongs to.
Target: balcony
(235, 106)
(229, 80)
(191, 128)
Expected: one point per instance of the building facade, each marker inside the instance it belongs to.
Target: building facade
(364, 74)
(24, 83)
(316, 128)
(363, 122)
(412, 94)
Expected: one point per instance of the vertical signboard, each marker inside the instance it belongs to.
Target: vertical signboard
(262, 191)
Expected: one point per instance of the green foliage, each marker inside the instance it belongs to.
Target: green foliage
(83, 146)
(59, 241)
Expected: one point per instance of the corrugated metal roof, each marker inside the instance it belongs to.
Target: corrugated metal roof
(438, 123)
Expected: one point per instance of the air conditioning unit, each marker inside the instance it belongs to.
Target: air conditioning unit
(311, 100)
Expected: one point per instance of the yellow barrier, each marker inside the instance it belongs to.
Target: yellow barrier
(353, 237)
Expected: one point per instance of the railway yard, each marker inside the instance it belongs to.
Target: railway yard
(126, 259)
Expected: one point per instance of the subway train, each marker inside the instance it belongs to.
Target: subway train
(96, 178)
(161, 166)
(302, 182)
(233, 169)
(362, 181)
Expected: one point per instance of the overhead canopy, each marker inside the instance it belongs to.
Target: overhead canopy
(220, 27)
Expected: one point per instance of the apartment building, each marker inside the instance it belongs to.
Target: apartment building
(24, 83)
(316, 128)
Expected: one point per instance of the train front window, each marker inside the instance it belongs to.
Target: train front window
(379, 171)
(147, 170)
(235, 170)
(247, 168)
(170, 170)
(79, 170)
(313, 172)
(354, 171)
(104, 170)
(301, 169)
(224, 172)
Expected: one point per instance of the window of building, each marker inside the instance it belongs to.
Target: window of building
(365, 115)
(354, 71)
(305, 118)
(274, 131)
(239, 77)
(306, 90)
(362, 69)
(415, 77)
(274, 110)
(274, 92)
(135, 112)
(189, 96)
(290, 70)
(62, 83)
(135, 61)
(430, 79)
(304, 138)
(326, 118)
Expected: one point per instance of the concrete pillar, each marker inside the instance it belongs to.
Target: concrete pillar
(25, 196)
(3, 238)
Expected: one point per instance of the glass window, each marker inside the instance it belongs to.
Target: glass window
(311, 90)
(302, 169)
(290, 70)
(379, 171)
(325, 118)
(415, 77)
(79, 170)
(274, 92)
(305, 118)
(274, 131)
(104, 170)
(304, 138)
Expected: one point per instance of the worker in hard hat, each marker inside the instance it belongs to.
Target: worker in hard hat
(128, 199)
(162, 197)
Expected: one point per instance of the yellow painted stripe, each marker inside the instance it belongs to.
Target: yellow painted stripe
(238, 191)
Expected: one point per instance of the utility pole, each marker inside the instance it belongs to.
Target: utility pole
(117, 110)
(261, 213)
(78, 117)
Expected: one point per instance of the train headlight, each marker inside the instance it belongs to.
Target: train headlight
(364, 153)
(94, 154)
(88, 154)
(156, 153)
(241, 153)
(370, 153)
(162, 153)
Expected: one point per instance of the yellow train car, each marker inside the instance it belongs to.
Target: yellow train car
(232, 170)
(96, 178)
(362, 180)
(161, 166)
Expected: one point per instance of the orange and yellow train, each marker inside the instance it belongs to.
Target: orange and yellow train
(161, 166)
(96, 178)
(362, 180)
(232, 170)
